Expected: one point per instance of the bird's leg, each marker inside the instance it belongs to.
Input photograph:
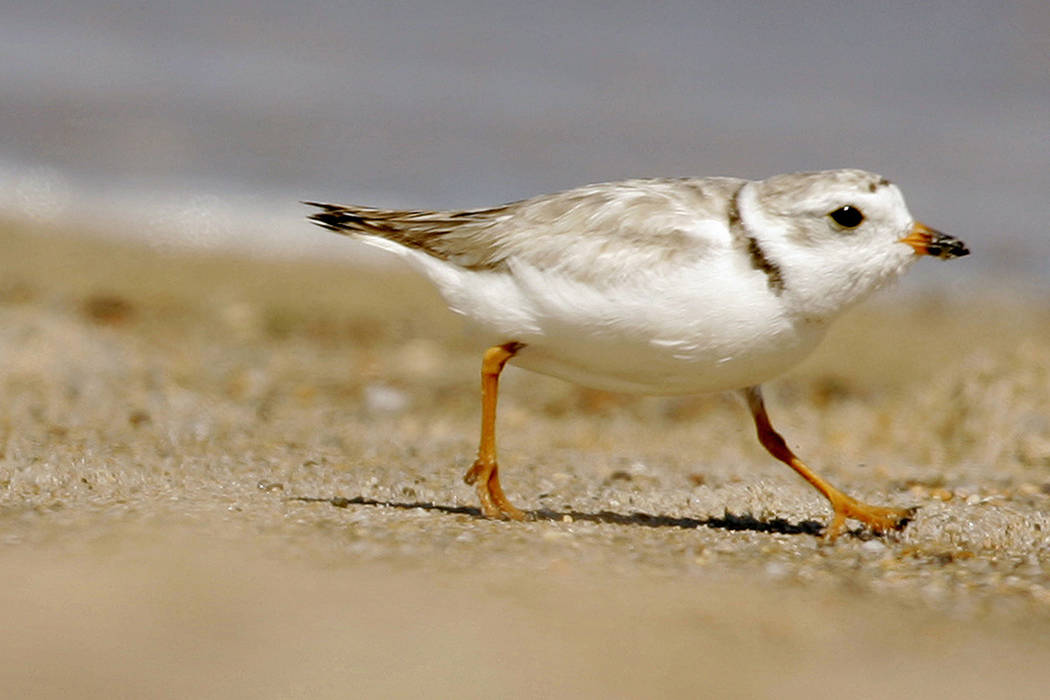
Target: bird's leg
(878, 518)
(484, 475)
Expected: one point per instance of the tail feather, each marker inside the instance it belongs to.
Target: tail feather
(459, 236)
(349, 220)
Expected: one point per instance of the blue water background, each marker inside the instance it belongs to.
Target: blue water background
(203, 123)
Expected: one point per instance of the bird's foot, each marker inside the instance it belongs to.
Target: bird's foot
(879, 518)
(484, 476)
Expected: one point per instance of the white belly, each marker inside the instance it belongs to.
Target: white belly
(660, 370)
(670, 334)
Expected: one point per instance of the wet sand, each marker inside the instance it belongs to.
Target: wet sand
(223, 477)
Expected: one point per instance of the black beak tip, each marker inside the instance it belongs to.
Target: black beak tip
(946, 247)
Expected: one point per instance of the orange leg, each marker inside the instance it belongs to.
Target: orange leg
(484, 475)
(879, 519)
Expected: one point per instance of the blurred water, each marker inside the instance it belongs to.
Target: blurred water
(205, 122)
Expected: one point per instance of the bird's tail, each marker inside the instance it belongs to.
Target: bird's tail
(351, 220)
(395, 230)
(441, 234)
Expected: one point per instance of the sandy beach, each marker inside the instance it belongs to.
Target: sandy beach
(231, 477)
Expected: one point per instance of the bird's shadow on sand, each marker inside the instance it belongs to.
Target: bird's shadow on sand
(729, 521)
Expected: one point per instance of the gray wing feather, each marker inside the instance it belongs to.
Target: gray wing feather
(597, 229)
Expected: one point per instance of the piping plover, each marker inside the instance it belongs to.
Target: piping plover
(661, 286)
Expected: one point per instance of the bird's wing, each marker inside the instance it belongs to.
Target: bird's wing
(592, 232)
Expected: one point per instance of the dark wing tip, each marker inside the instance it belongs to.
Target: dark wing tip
(320, 205)
(331, 216)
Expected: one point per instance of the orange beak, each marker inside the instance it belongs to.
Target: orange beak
(928, 241)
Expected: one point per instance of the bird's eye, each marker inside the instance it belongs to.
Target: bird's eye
(847, 216)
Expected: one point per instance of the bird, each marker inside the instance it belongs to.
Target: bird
(661, 286)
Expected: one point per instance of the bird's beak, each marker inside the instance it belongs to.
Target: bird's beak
(928, 241)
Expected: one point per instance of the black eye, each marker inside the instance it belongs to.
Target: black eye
(847, 216)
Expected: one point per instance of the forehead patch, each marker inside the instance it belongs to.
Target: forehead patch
(883, 182)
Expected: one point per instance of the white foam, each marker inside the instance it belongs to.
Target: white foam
(217, 218)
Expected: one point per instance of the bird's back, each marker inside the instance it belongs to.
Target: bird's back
(588, 233)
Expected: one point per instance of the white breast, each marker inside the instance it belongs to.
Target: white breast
(689, 330)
